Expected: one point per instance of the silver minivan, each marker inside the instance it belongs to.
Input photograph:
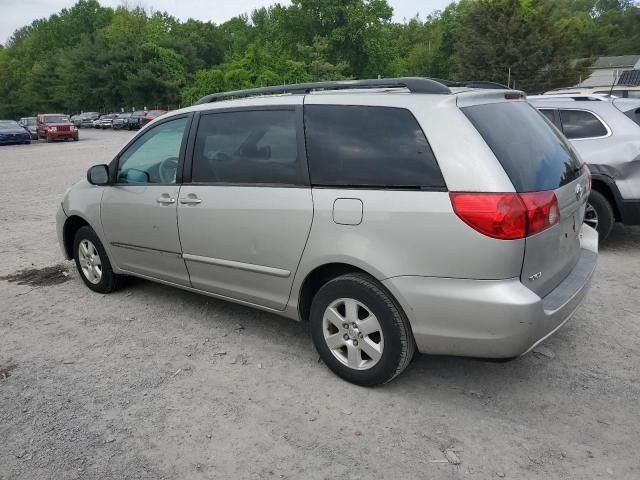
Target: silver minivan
(392, 215)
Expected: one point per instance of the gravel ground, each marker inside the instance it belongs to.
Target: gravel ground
(157, 383)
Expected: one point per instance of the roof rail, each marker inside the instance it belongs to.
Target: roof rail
(473, 84)
(414, 84)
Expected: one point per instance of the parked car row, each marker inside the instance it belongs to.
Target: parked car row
(59, 126)
(127, 120)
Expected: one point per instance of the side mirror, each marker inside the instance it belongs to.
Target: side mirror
(98, 175)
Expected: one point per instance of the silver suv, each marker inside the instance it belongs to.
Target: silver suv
(606, 133)
(392, 215)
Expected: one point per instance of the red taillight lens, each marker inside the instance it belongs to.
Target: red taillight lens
(497, 215)
(542, 210)
(506, 216)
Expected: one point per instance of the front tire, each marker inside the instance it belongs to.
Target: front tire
(93, 263)
(599, 214)
(360, 331)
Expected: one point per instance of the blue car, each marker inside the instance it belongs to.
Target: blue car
(12, 132)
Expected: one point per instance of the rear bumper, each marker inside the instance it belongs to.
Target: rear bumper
(490, 318)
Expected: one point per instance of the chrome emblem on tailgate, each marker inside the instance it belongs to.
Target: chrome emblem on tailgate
(535, 276)
(579, 191)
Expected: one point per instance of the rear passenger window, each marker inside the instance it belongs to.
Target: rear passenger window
(250, 147)
(353, 146)
(581, 124)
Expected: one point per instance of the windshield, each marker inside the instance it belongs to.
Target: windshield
(56, 119)
(155, 113)
(124, 115)
(29, 121)
(138, 113)
(8, 124)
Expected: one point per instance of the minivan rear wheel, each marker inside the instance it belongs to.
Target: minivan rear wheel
(360, 332)
(93, 264)
(599, 214)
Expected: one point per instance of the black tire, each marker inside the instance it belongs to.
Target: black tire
(49, 139)
(399, 345)
(75, 139)
(109, 281)
(604, 211)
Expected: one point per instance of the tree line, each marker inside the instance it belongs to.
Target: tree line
(90, 57)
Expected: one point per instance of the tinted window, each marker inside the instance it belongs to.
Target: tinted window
(251, 147)
(153, 157)
(368, 146)
(634, 115)
(581, 124)
(535, 156)
(550, 114)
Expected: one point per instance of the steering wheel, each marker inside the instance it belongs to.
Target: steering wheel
(168, 169)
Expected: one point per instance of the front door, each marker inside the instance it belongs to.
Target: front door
(139, 211)
(245, 217)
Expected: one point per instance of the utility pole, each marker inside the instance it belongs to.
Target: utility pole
(509, 78)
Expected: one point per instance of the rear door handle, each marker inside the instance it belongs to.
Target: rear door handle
(165, 199)
(190, 199)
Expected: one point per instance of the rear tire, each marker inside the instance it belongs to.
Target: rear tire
(599, 214)
(360, 331)
(49, 139)
(93, 263)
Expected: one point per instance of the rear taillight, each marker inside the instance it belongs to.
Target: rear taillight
(507, 216)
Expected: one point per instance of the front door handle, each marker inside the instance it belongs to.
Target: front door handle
(165, 199)
(190, 199)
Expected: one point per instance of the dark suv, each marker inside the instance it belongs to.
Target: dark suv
(134, 122)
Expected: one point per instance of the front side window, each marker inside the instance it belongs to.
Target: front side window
(248, 147)
(581, 124)
(354, 146)
(153, 157)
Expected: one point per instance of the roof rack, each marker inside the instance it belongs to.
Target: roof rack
(473, 84)
(413, 84)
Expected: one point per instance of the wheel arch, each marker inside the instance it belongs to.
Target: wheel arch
(606, 186)
(317, 277)
(71, 225)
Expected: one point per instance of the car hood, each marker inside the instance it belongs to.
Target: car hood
(12, 131)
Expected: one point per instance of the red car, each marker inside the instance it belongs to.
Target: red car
(152, 115)
(56, 126)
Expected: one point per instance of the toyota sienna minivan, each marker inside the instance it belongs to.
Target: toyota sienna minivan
(393, 215)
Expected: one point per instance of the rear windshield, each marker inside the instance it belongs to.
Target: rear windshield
(534, 155)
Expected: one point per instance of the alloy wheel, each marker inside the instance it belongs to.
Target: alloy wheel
(90, 262)
(353, 334)
(591, 216)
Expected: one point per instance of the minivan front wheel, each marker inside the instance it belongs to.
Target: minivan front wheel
(359, 331)
(93, 264)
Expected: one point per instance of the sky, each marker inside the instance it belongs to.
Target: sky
(18, 13)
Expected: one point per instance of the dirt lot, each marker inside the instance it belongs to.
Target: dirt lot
(157, 383)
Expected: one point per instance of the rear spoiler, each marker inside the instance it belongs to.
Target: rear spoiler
(480, 97)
